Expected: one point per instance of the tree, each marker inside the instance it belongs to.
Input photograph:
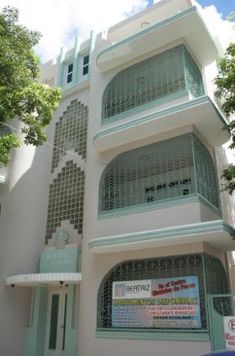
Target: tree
(225, 82)
(22, 97)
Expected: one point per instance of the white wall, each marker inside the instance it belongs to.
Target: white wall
(22, 229)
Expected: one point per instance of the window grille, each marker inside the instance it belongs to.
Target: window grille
(203, 266)
(66, 199)
(193, 77)
(71, 132)
(171, 72)
(158, 172)
(205, 172)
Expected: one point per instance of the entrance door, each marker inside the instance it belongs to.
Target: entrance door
(56, 322)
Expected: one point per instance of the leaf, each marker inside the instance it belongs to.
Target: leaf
(21, 96)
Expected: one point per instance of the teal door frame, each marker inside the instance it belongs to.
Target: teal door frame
(219, 305)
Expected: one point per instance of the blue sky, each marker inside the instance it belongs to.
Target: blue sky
(223, 6)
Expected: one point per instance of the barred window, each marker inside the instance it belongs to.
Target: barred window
(164, 75)
(207, 270)
(178, 167)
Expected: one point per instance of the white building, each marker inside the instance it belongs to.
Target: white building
(115, 232)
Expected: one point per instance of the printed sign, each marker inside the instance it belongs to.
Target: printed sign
(229, 332)
(159, 303)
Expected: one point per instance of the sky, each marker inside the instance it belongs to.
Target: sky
(60, 21)
(223, 6)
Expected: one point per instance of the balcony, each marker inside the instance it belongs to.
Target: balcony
(179, 167)
(187, 25)
(200, 112)
(215, 233)
(162, 93)
(159, 194)
(156, 80)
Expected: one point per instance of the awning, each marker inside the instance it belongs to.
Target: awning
(43, 279)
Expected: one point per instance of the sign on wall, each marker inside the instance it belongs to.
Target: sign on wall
(157, 303)
(63, 260)
(229, 332)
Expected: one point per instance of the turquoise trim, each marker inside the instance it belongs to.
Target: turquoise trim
(165, 112)
(153, 235)
(221, 295)
(205, 289)
(149, 29)
(60, 69)
(71, 333)
(34, 344)
(147, 106)
(216, 321)
(59, 260)
(167, 203)
(153, 335)
(75, 71)
(35, 336)
(194, 164)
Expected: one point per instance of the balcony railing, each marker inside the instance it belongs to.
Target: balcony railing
(164, 76)
(166, 170)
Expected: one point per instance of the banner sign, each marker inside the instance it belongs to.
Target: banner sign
(157, 303)
(229, 332)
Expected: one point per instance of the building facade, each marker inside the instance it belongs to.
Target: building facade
(116, 231)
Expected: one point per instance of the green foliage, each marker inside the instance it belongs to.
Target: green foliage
(21, 96)
(7, 142)
(225, 82)
(229, 176)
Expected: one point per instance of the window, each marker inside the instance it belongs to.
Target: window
(70, 132)
(69, 73)
(168, 169)
(66, 199)
(173, 72)
(85, 65)
(198, 274)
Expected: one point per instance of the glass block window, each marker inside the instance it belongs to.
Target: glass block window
(169, 169)
(71, 132)
(164, 75)
(66, 199)
(200, 265)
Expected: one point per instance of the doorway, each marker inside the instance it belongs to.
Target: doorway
(56, 322)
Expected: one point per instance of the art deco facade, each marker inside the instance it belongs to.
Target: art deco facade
(125, 196)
